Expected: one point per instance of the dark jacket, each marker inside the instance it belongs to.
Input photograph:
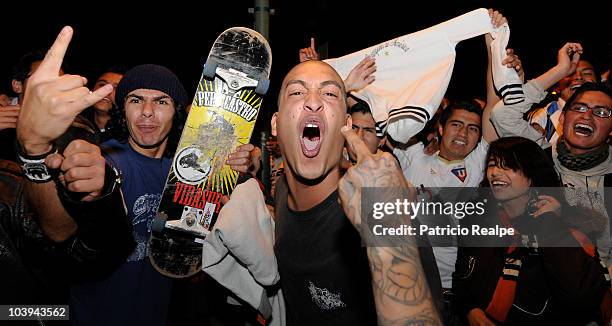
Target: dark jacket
(35, 270)
(556, 285)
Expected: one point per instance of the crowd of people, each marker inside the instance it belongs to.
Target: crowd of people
(82, 171)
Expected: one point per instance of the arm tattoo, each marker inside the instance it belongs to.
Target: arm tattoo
(402, 280)
(399, 281)
(426, 317)
(401, 292)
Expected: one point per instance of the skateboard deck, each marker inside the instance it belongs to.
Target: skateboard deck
(222, 117)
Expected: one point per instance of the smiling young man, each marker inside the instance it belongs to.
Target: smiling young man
(459, 163)
(581, 155)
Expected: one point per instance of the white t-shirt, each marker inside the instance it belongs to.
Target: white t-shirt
(433, 172)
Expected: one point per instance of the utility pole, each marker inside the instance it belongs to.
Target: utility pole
(262, 13)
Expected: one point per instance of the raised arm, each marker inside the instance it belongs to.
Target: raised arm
(401, 292)
(83, 205)
(508, 118)
(51, 103)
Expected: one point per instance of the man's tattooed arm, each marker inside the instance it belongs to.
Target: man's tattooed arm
(400, 289)
(401, 293)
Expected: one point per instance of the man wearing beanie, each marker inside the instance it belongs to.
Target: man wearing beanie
(149, 98)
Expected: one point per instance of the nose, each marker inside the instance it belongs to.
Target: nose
(360, 133)
(492, 171)
(577, 75)
(147, 109)
(313, 101)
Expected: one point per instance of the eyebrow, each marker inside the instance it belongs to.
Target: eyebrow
(157, 98)
(461, 122)
(296, 81)
(105, 81)
(362, 127)
(331, 82)
(594, 105)
(322, 84)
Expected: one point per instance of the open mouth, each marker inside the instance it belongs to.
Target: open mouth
(575, 86)
(459, 142)
(312, 130)
(582, 129)
(498, 184)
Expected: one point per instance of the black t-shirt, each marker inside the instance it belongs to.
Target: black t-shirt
(325, 276)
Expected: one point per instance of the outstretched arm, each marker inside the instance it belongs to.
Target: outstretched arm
(511, 61)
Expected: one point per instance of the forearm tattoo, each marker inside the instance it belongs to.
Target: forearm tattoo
(427, 317)
(400, 287)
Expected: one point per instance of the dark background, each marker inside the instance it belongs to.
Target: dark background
(179, 35)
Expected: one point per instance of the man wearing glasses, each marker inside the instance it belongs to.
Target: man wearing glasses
(581, 154)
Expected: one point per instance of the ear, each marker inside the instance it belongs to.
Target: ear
(441, 131)
(349, 121)
(273, 123)
(17, 86)
(562, 118)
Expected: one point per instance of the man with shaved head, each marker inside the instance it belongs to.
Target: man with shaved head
(324, 270)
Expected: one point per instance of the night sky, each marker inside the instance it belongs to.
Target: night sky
(180, 35)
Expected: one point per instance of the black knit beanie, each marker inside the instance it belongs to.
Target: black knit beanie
(151, 76)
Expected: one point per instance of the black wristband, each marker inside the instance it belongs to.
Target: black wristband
(33, 166)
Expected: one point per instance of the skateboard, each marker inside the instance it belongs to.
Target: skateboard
(223, 114)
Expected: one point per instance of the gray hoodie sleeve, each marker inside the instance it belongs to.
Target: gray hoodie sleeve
(508, 119)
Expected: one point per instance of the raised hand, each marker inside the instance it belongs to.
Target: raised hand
(497, 19)
(568, 57)
(513, 61)
(51, 102)
(372, 170)
(361, 75)
(309, 53)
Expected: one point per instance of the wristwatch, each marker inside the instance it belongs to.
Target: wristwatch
(33, 167)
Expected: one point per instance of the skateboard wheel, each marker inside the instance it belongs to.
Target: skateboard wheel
(159, 223)
(262, 86)
(210, 67)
